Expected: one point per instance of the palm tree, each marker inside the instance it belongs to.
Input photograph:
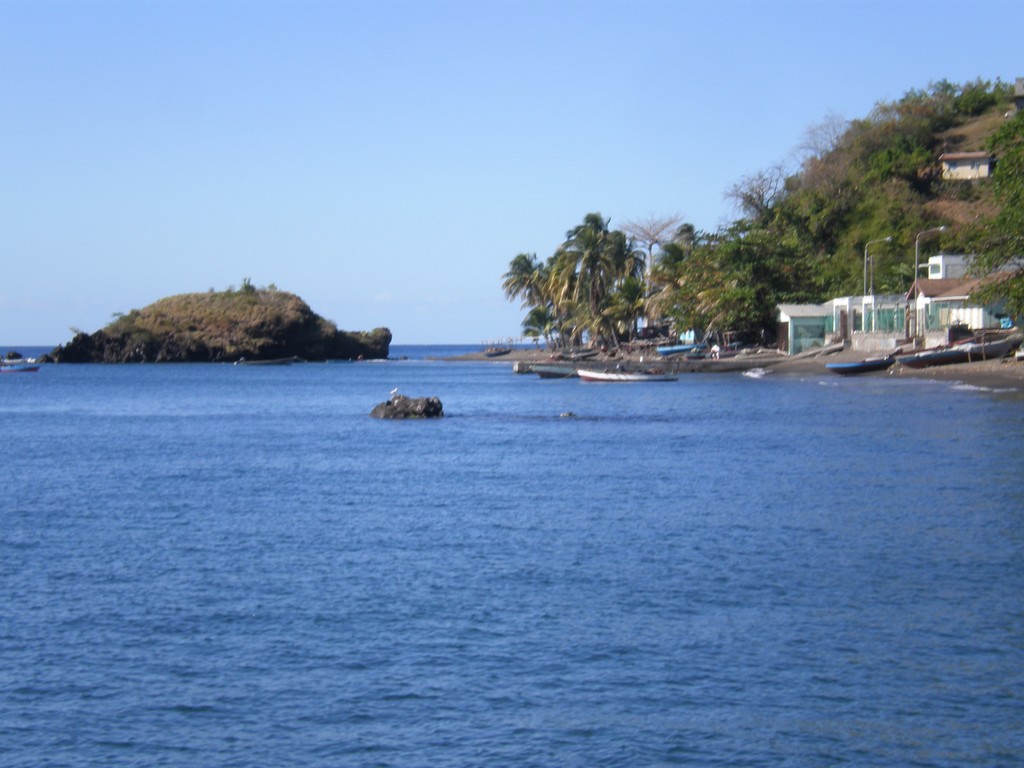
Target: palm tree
(524, 279)
(626, 305)
(587, 245)
(591, 264)
(540, 323)
(573, 288)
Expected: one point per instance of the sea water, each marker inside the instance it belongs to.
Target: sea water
(235, 566)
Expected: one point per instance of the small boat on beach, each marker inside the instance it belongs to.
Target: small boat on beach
(679, 349)
(575, 355)
(867, 365)
(934, 356)
(498, 347)
(967, 351)
(993, 349)
(626, 375)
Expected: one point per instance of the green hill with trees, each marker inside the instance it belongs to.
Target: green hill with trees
(251, 323)
(802, 234)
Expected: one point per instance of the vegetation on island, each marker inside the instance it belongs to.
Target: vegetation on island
(803, 235)
(250, 322)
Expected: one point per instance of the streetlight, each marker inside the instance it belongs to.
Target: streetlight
(871, 242)
(917, 268)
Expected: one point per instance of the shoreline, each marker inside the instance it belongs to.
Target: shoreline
(1005, 374)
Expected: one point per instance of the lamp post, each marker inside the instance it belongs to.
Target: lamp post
(871, 242)
(917, 267)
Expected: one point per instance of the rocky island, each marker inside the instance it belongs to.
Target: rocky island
(222, 326)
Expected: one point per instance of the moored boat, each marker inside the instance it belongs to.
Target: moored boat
(274, 361)
(575, 355)
(970, 350)
(992, 349)
(624, 375)
(934, 356)
(678, 349)
(867, 365)
(18, 367)
(553, 370)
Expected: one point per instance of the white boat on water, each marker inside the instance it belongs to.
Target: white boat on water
(18, 366)
(621, 375)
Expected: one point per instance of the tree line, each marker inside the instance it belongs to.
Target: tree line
(802, 233)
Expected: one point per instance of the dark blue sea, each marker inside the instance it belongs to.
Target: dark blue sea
(213, 565)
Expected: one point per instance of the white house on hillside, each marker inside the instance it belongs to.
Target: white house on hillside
(964, 166)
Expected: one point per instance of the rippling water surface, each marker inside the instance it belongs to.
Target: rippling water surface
(214, 565)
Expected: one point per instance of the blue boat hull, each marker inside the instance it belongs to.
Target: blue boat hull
(861, 366)
(678, 349)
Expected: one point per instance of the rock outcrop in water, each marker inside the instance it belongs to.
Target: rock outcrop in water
(402, 407)
(254, 323)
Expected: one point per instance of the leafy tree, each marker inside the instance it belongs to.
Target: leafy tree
(1001, 240)
(524, 279)
(976, 98)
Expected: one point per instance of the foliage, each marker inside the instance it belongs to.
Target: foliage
(1000, 241)
(801, 236)
(578, 291)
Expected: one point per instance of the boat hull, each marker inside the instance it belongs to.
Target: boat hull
(624, 376)
(19, 368)
(870, 365)
(275, 361)
(964, 352)
(678, 349)
(554, 371)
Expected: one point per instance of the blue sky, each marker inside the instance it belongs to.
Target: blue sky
(386, 159)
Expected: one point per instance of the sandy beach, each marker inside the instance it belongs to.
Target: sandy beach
(1005, 375)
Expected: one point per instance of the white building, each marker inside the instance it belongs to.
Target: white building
(965, 166)
(944, 300)
(945, 266)
(801, 326)
(868, 323)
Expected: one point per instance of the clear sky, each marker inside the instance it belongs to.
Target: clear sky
(386, 159)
